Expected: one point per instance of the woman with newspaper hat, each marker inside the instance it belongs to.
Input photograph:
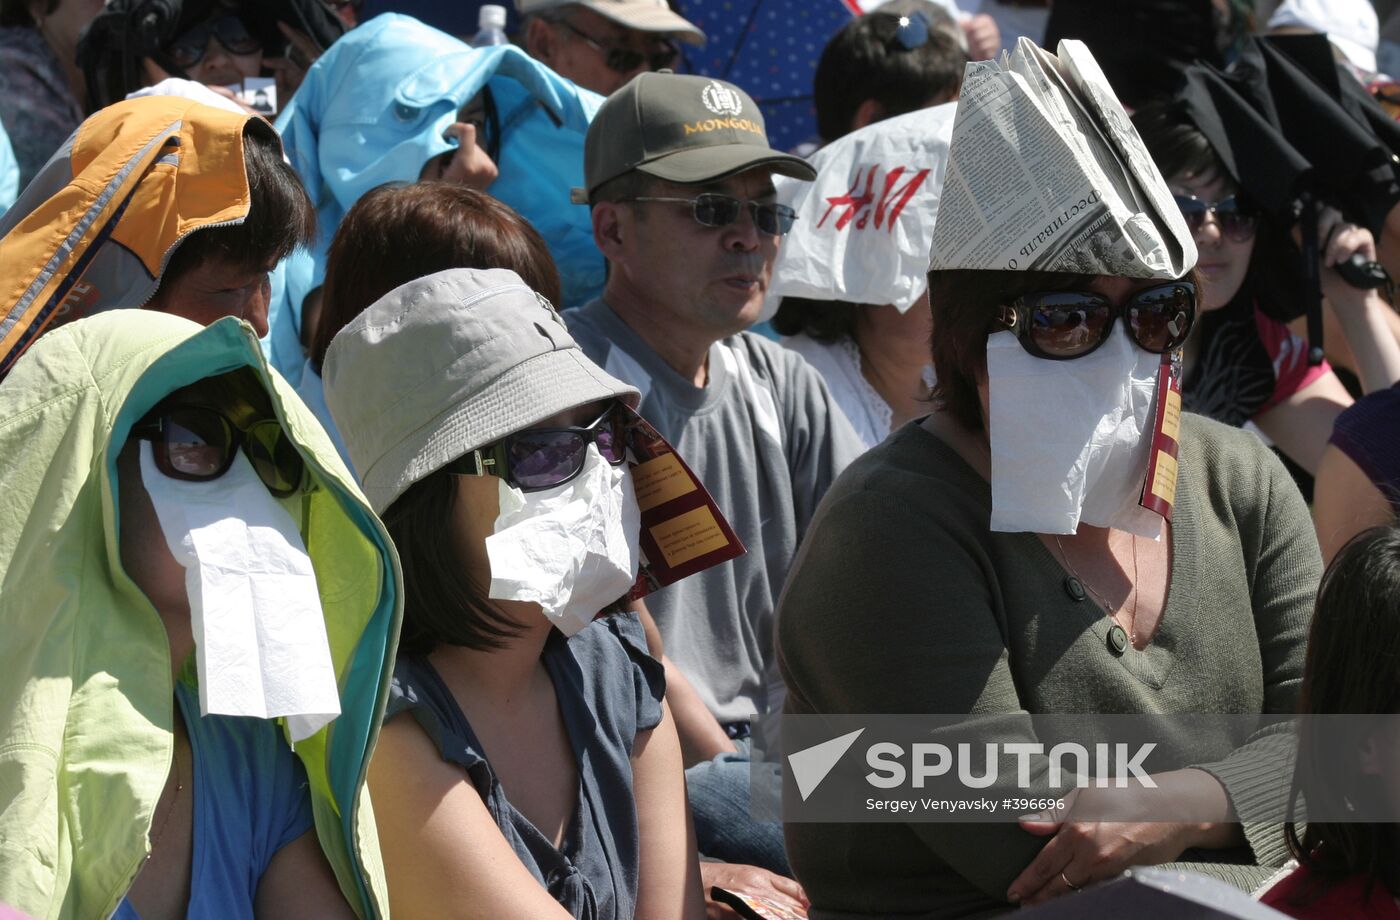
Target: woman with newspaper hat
(1055, 537)
(528, 766)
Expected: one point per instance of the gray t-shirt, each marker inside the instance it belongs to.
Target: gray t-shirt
(766, 439)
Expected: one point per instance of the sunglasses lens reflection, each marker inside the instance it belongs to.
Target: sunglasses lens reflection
(1068, 325)
(196, 444)
(539, 460)
(274, 458)
(1161, 318)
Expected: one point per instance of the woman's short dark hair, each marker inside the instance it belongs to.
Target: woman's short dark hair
(396, 233)
(965, 303)
(823, 320)
(1178, 147)
(864, 60)
(1353, 667)
(280, 215)
(442, 604)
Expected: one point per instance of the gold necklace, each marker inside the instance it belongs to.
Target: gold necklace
(1131, 632)
(174, 801)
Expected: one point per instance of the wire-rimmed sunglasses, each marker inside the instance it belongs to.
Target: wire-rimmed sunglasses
(199, 443)
(188, 49)
(1062, 325)
(626, 60)
(545, 458)
(1236, 217)
(714, 210)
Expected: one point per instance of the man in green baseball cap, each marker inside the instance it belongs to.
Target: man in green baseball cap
(679, 177)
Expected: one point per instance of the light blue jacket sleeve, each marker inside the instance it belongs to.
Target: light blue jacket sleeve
(9, 172)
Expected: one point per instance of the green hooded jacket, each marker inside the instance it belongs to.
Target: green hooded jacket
(86, 695)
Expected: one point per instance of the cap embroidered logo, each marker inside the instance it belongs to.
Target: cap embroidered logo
(721, 99)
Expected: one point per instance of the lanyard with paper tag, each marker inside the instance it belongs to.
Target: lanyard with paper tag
(683, 530)
(1159, 487)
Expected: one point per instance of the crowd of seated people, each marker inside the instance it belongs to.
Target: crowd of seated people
(424, 486)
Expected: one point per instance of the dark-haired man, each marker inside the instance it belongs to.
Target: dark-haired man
(884, 64)
(157, 202)
(679, 176)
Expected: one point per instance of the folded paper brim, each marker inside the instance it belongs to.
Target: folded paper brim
(1047, 173)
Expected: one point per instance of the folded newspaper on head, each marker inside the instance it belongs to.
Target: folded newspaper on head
(1046, 173)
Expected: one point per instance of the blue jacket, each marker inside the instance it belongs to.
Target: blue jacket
(373, 109)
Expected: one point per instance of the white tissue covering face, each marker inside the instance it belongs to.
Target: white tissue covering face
(1070, 439)
(573, 549)
(259, 631)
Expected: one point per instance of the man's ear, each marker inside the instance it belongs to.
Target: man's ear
(869, 112)
(541, 40)
(612, 226)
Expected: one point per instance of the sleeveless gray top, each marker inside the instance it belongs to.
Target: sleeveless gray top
(609, 689)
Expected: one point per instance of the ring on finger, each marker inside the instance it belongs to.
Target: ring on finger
(1072, 886)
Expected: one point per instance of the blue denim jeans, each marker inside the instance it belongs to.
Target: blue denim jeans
(724, 829)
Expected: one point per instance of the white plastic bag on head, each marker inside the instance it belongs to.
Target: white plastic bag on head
(865, 225)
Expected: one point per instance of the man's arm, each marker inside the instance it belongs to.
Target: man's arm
(702, 738)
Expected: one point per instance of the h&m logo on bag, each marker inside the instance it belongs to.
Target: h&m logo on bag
(855, 205)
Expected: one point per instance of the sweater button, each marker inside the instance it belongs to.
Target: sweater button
(1074, 589)
(1117, 639)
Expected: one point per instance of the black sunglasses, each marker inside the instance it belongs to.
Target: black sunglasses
(1237, 219)
(198, 444)
(188, 50)
(1060, 325)
(625, 60)
(714, 210)
(544, 458)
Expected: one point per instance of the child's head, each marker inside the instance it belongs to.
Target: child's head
(1352, 765)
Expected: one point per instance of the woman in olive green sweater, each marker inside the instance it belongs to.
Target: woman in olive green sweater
(905, 600)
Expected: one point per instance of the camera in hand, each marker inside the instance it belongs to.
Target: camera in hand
(1360, 272)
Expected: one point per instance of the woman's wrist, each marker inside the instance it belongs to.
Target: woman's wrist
(1202, 796)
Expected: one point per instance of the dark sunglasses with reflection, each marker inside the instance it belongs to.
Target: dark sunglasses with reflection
(713, 210)
(1062, 325)
(230, 31)
(198, 444)
(545, 458)
(626, 60)
(1238, 219)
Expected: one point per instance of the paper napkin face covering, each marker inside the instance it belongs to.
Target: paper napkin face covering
(1070, 439)
(573, 549)
(260, 634)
